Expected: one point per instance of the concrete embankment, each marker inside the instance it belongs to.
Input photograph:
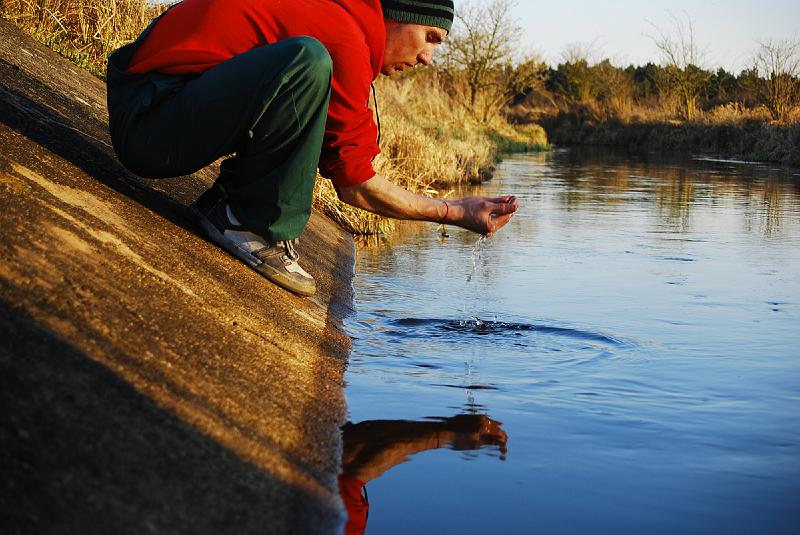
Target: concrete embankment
(149, 382)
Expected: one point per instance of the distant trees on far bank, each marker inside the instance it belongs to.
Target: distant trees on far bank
(769, 89)
(656, 90)
(481, 67)
(681, 78)
(481, 63)
(776, 67)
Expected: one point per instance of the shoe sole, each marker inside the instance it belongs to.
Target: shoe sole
(272, 274)
(233, 249)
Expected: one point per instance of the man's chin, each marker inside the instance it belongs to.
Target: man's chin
(389, 71)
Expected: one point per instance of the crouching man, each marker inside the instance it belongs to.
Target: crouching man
(283, 88)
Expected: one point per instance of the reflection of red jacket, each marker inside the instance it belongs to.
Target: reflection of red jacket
(355, 501)
(198, 34)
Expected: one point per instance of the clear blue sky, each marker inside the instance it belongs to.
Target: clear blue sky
(729, 29)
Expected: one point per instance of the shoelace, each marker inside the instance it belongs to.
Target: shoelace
(288, 246)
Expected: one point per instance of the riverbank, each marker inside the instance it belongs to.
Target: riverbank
(150, 383)
(752, 140)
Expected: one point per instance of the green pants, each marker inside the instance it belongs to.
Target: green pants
(267, 106)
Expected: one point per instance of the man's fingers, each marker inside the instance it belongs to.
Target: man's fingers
(497, 210)
(496, 222)
(500, 221)
(504, 208)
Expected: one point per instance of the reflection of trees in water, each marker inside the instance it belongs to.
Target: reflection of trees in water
(597, 178)
(766, 211)
(774, 201)
(674, 198)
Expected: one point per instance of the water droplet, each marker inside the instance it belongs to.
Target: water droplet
(477, 256)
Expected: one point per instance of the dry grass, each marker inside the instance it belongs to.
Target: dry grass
(85, 31)
(747, 134)
(426, 140)
(429, 140)
(735, 113)
(730, 113)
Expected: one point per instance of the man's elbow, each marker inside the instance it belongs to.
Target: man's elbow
(357, 195)
(347, 195)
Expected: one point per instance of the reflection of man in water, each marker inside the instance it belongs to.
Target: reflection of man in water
(373, 447)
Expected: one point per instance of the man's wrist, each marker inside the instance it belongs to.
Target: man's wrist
(446, 210)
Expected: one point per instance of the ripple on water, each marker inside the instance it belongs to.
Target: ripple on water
(479, 327)
(510, 351)
(510, 358)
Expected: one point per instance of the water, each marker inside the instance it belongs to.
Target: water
(624, 358)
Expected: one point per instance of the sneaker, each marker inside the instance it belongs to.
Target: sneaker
(278, 261)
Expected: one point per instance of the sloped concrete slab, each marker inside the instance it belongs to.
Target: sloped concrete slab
(149, 382)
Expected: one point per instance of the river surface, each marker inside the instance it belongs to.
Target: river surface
(624, 358)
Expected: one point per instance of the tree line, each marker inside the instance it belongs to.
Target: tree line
(683, 93)
(481, 67)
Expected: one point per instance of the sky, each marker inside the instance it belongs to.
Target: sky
(729, 31)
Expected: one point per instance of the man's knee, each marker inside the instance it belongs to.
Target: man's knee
(314, 56)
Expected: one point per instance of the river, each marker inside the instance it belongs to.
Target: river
(624, 359)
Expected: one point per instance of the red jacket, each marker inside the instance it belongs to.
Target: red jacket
(199, 34)
(356, 504)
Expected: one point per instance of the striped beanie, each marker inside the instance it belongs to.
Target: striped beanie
(437, 13)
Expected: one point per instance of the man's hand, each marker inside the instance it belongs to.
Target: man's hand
(479, 214)
(473, 431)
(482, 215)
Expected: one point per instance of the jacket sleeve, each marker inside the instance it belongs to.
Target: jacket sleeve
(351, 135)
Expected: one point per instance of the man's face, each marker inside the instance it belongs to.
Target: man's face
(408, 45)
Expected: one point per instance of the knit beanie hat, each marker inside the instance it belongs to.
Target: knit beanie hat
(437, 13)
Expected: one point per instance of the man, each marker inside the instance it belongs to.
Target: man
(283, 86)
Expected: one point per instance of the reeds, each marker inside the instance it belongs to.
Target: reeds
(728, 131)
(85, 31)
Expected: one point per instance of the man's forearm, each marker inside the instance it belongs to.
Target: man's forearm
(478, 214)
(384, 198)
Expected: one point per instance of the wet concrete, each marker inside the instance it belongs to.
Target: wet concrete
(149, 382)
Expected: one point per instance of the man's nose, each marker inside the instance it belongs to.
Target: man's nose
(425, 57)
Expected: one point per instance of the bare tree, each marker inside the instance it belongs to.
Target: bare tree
(613, 88)
(482, 51)
(682, 58)
(778, 65)
(574, 77)
(586, 51)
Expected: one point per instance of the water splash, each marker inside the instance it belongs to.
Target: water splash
(477, 257)
(477, 324)
(454, 329)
